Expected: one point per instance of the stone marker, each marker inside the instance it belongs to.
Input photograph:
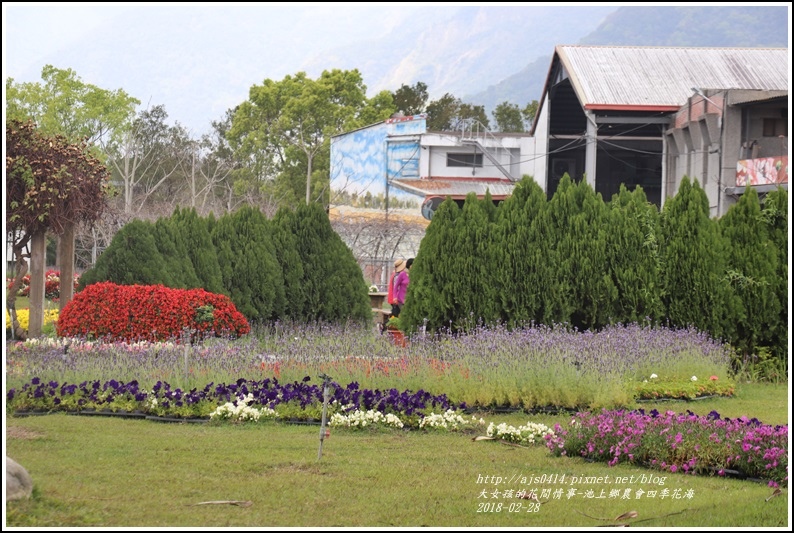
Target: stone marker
(19, 484)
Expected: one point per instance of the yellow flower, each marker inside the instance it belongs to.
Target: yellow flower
(23, 316)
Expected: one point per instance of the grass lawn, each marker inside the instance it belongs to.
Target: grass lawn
(110, 472)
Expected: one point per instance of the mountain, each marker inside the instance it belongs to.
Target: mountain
(703, 26)
(198, 60)
(453, 49)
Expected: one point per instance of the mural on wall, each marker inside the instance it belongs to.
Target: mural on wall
(361, 157)
(762, 171)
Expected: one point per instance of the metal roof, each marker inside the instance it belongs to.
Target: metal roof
(457, 188)
(622, 77)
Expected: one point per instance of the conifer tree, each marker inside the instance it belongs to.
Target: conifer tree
(194, 232)
(774, 214)
(174, 252)
(751, 271)
(132, 258)
(693, 262)
(633, 257)
(523, 267)
(473, 272)
(333, 283)
(284, 228)
(251, 273)
(585, 290)
(432, 296)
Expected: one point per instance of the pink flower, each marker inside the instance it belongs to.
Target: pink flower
(713, 378)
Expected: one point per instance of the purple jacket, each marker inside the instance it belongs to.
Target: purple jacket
(401, 287)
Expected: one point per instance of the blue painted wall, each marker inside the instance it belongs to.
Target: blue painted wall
(359, 158)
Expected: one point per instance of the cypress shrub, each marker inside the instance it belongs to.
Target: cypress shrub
(522, 267)
(586, 291)
(774, 215)
(472, 271)
(693, 262)
(284, 226)
(194, 232)
(430, 292)
(177, 262)
(131, 258)
(333, 283)
(751, 272)
(250, 271)
(633, 258)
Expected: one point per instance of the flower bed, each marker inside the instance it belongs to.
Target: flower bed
(685, 443)
(297, 400)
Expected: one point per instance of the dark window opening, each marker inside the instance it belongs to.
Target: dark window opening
(464, 160)
(774, 127)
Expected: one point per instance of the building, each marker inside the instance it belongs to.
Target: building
(647, 116)
(401, 153)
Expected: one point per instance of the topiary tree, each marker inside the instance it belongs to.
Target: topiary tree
(433, 274)
(693, 262)
(523, 268)
(333, 285)
(774, 214)
(131, 259)
(175, 256)
(585, 290)
(633, 257)
(472, 273)
(194, 232)
(751, 272)
(251, 273)
(283, 227)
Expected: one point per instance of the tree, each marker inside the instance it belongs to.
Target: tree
(433, 272)
(51, 184)
(251, 272)
(284, 129)
(525, 269)
(449, 113)
(529, 113)
(442, 113)
(633, 257)
(411, 100)
(586, 293)
(508, 118)
(774, 214)
(131, 259)
(751, 271)
(333, 287)
(693, 262)
(141, 156)
(194, 231)
(67, 106)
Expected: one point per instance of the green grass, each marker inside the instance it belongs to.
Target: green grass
(107, 472)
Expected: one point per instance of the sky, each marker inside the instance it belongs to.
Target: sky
(252, 41)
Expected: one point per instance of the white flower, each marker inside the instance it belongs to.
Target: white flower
(645, 381)
(694, 378)
(654, 376)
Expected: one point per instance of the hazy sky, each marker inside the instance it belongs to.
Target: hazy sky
(162, 50)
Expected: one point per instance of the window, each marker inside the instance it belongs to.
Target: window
(464, 160)
(775, 126)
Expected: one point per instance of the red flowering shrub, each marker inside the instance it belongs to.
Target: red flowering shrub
(134, 313)
(52, 285)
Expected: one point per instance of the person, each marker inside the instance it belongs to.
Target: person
(400, 287)
(398, 267)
